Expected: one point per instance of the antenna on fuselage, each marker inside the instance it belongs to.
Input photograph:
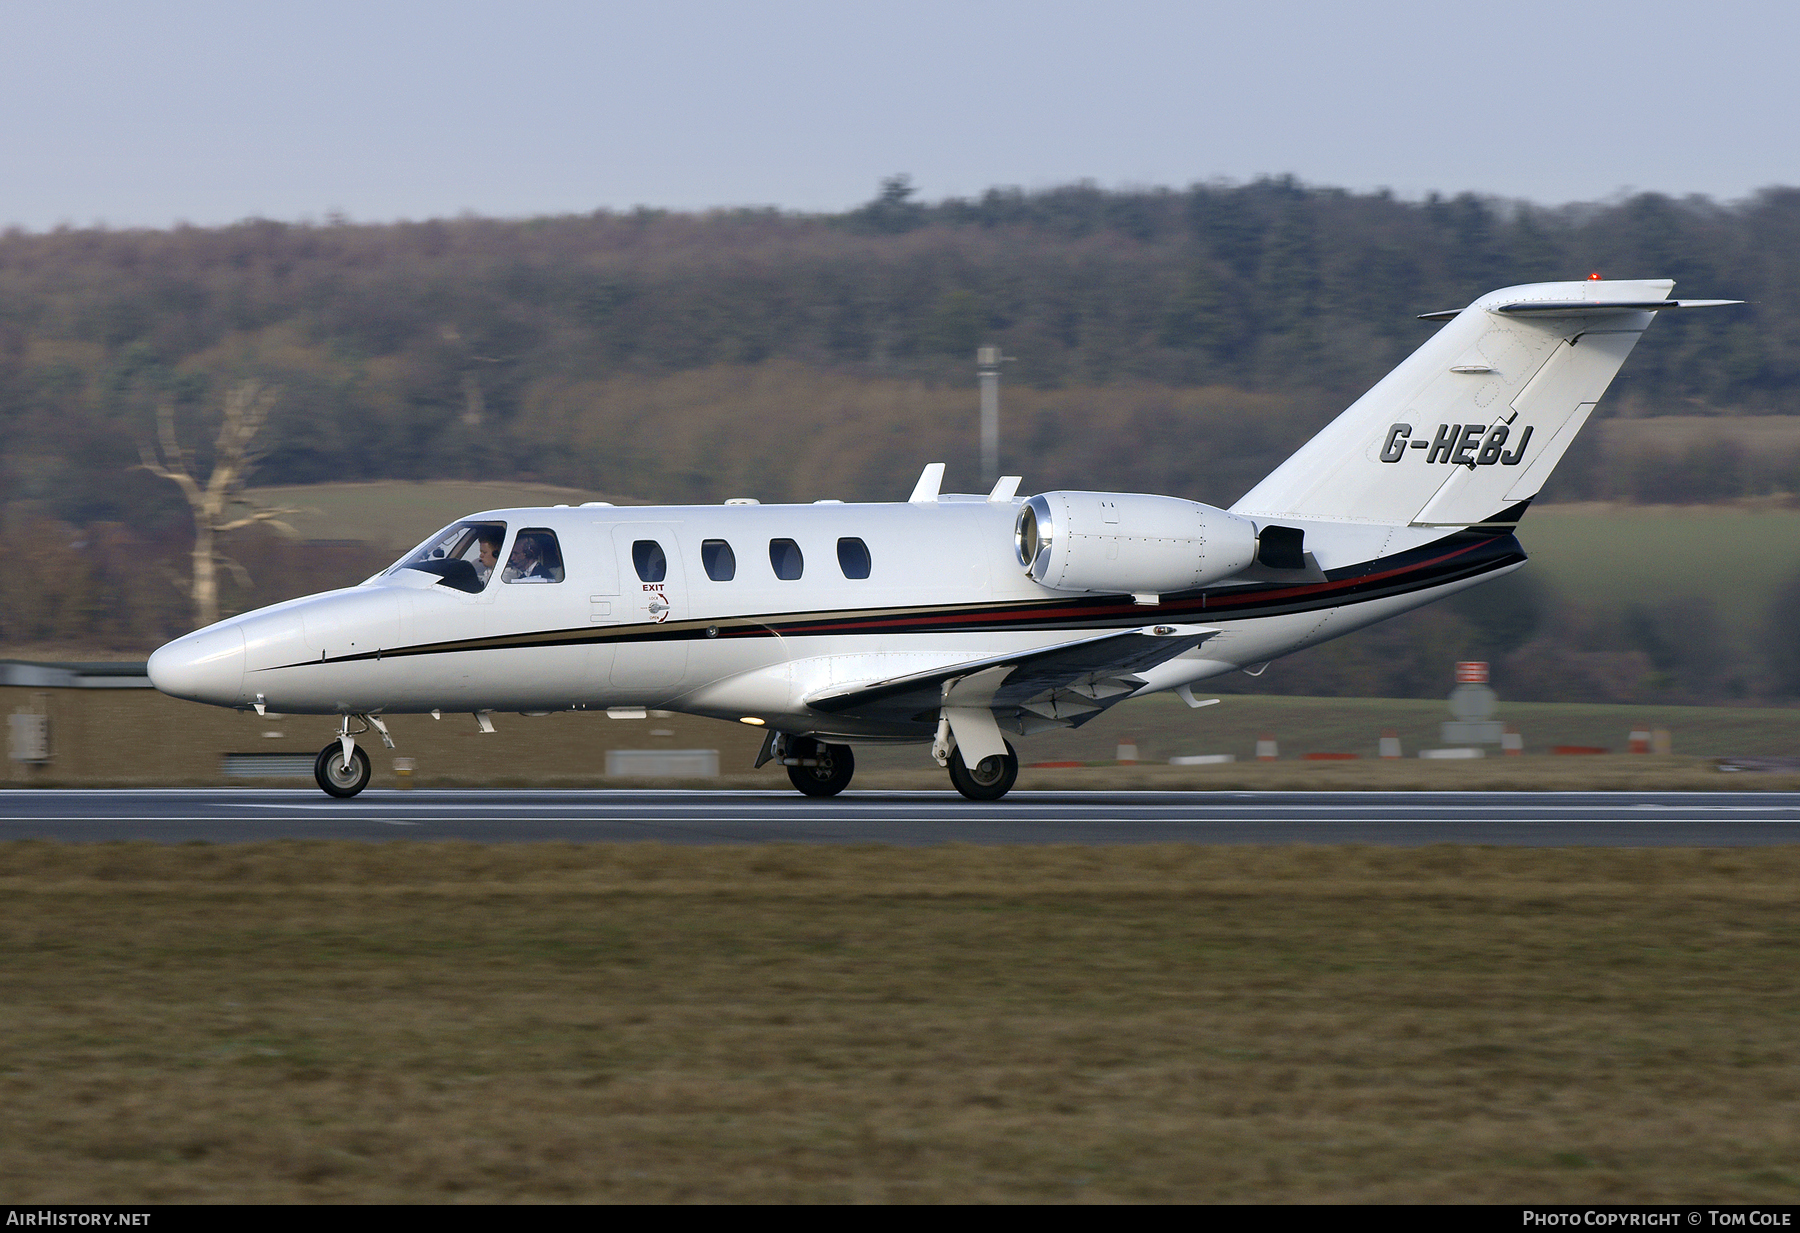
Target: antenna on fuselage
(925, 492)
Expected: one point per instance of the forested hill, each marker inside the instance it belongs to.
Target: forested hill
(543, 348)
(1163, 341)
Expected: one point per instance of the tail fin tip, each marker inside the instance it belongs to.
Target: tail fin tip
(1471, 424)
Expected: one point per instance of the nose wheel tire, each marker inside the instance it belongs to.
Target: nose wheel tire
(337, 777)
(990, 779)
(832, 774)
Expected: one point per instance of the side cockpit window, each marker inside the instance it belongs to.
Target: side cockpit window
(462, 556)
(535, 557)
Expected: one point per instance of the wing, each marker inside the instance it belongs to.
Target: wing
(1063, 685)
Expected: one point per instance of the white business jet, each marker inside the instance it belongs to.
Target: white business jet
(948, 619)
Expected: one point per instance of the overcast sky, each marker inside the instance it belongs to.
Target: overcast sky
(145, 114)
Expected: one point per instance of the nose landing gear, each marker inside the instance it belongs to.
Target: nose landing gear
(341, 768)
(340, 776)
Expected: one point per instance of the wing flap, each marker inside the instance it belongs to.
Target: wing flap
(1096, 670)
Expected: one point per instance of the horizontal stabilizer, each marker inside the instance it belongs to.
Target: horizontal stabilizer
(1581, 308)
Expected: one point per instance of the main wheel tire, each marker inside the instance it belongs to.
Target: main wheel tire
(338, 778)
(832, 774)
(991, 778)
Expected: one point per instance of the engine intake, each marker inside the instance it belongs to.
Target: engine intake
(1124, 541)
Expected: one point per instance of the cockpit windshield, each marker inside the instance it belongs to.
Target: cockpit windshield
(462, 556)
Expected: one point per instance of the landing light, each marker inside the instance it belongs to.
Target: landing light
(751, 720)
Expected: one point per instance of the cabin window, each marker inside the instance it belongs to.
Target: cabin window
(535, 557)
(647, 556)
(853, 558)
(463, 556)
(718, 558)
(784, 555)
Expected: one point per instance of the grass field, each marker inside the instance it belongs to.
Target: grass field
(1163, 727)
(1766, 434)
(1734, 555)
(121, 738)
(415, 1022)
(396, 514)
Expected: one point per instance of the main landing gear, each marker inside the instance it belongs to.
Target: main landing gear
(821, 770)
(818, 769)
(341, 768)
(989, 779)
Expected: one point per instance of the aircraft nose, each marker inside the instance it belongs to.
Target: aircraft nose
(206, 666)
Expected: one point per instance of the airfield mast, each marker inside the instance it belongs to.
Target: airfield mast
(987, 366)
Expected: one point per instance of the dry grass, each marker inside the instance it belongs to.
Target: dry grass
(316, 1022)
(1165, 728)
(397, 514)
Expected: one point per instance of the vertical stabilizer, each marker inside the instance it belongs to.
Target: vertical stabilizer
(1473, 421)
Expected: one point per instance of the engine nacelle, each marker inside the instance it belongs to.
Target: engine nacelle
(1124, 541)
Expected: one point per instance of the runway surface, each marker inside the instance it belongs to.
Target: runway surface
(1538, 819)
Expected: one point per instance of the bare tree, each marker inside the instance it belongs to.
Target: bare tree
(216, 505)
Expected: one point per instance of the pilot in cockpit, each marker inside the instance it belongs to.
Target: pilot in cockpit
(490, 555)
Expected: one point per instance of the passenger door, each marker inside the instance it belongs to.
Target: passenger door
(653, 594)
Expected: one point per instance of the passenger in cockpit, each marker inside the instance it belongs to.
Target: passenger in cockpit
(527, 564)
